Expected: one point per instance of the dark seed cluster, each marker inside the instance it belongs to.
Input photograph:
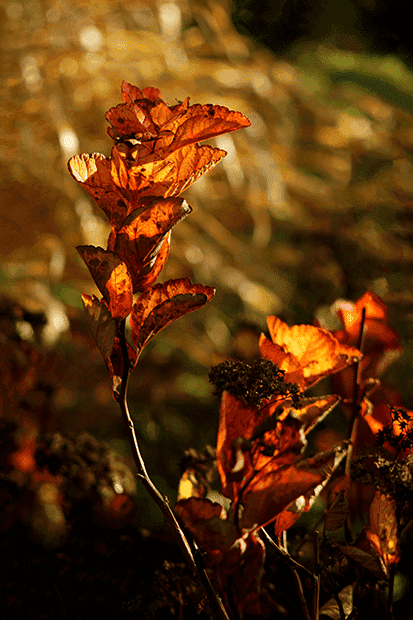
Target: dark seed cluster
(254, 382)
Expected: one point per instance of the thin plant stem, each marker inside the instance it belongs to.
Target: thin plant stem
(316, 581)
(161, 501)
(285, 555)
(390, 615)
(295, 567)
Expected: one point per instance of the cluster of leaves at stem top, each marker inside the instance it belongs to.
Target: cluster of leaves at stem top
(156, 155)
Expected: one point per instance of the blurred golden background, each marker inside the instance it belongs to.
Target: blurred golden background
(312, 203)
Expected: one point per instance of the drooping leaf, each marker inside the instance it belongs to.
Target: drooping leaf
(337, 513)
(239, 557)
(101, 323)
(382, 528)
(204, 520)
(141, 236)
(162, 304)
(306, 353)
(366, 560)
(112, 279)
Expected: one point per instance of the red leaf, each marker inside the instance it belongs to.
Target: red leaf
(381, 530)
(142, 234)
(112, 279)
(162, 304)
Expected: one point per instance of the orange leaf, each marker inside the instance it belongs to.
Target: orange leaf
(271, 491)
(112, 279)
(312, 410)
(145, 117)
(207, 121)
(381, 530)
(141, 236)
(190, 163)
(306, 353)
(138, 172)
(381, 344)
(149, 274)
(163, 303)
(93, 172)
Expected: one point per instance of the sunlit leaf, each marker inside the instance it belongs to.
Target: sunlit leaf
(271, 491)
(144, 116)
(141, 236)
(312, 410)
(382, 528)
(164, 303)
(381, 344)
(112, 279)
(94, 173)
(306, 353)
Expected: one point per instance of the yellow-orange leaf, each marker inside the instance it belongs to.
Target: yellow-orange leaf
(306, 353)
(93, 172)
(381, 530)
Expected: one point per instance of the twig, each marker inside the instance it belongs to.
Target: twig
(316, 581)
(295, 567)
(286, 556)
(336, 595)
(160, 500)
(390, 615)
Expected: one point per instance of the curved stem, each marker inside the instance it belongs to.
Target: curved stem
(161, 501)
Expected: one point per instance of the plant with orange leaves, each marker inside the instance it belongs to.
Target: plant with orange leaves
(265, 415)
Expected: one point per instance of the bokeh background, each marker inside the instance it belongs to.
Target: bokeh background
(314, 201)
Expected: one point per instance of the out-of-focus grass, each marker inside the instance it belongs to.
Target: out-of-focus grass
(313, 202)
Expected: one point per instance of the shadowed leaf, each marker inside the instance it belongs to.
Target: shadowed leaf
(162, 304)
(112, 279)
